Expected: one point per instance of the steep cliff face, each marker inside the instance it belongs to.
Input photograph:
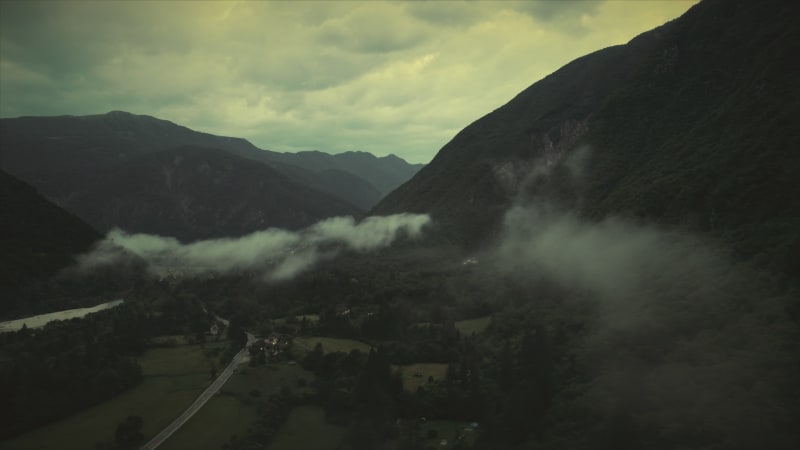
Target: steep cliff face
(689, 124)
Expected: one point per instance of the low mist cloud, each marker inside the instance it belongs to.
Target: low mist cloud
(278, 254)
(625, 265)
(682, 337)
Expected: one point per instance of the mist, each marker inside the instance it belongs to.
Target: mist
(625, 266)
(274, 253)
(682, 340)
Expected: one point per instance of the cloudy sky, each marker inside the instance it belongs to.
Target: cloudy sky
(398, 78)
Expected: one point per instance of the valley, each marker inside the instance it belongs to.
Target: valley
(607, 261)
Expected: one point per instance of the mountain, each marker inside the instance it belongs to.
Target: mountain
(336, 182)
(690, 124)
(385, 173)
(197, 193)
(39, 238)
(56, 154)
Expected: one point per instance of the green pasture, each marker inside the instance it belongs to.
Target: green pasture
(267, 380)
(213, 425)
(173, 378)
(233, 411)
(306, 429)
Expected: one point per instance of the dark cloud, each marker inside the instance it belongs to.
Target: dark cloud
(555, 10)
(452, 13)
(382, 77)
(368, 30)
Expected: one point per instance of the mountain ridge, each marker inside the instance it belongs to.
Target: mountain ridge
(175, 192)
(671, 125)
(95, 142)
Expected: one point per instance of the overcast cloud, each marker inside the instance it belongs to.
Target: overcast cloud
(397, 78)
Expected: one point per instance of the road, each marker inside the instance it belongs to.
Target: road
(202, 399)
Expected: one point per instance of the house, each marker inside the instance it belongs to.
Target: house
(342, 310)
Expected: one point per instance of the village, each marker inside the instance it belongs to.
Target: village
(269, 348)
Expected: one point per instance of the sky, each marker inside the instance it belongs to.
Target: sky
(383, 77)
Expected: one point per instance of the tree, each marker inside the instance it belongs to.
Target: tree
(129, 432)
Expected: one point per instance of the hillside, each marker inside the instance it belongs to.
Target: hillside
(41, 239)
(385, 173)
(58, 154)
(196, 193)
(688, 124)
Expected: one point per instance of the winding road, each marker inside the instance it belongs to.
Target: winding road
(212, 389)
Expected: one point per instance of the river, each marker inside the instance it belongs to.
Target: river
(42, 319)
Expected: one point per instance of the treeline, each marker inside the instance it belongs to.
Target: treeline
(68, 366)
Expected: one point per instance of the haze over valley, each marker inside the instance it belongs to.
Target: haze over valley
(291, 225)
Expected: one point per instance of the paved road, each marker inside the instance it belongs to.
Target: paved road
(202, 399)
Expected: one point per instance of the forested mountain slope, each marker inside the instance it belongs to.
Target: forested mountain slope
(198, 193)
(59, 154)
(690, 124)
(38, 237)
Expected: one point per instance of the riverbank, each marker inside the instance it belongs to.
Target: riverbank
(41, 320)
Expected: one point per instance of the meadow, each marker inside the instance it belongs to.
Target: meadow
(173, 378)
(306, 429)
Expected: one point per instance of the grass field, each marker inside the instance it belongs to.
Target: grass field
(212, 426)
(234, 410)
(306, 429)
(173, 378)
(416, 375)
(467, 327)
(307, 344)
(268, 380)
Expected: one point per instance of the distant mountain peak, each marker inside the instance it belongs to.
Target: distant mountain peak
(66, 157)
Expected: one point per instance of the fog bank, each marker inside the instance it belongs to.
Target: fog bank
(682, 340)
(275, 253)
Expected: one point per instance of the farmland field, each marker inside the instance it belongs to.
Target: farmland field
(173, 378)
(268, 380)
(306, 429)
(234, 410)
(213, 425)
